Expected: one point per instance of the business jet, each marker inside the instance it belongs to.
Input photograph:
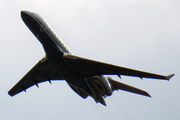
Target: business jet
(84, 76)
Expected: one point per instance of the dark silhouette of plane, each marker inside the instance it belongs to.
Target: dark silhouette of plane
(84, 76)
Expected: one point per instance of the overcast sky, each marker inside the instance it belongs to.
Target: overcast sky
(138, 34)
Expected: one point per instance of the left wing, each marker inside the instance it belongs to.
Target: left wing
(42, 71)
(86, 68)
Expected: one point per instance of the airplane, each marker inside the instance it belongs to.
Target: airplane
(86, 77)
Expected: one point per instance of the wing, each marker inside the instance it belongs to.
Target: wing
(42, 71)
(86, 68)
(115, 85)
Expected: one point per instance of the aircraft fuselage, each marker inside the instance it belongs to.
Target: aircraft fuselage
(55, 49)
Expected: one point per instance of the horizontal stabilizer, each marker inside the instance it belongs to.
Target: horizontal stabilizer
(115, 85)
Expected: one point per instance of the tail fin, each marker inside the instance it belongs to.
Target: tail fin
(100, 99)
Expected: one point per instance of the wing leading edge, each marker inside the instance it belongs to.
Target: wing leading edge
(86, 68)
(41, 72)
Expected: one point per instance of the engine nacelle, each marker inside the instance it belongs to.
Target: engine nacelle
(100, 84)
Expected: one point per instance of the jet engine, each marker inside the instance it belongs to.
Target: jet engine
(100, 84)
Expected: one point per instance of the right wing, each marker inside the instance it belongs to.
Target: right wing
(87, 68)
(115, 85)
(41, 72)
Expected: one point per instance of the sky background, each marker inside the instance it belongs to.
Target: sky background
(138, 34)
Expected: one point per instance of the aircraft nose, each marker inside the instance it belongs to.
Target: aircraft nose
(25, 14)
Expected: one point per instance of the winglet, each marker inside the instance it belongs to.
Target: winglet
(169, 76)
